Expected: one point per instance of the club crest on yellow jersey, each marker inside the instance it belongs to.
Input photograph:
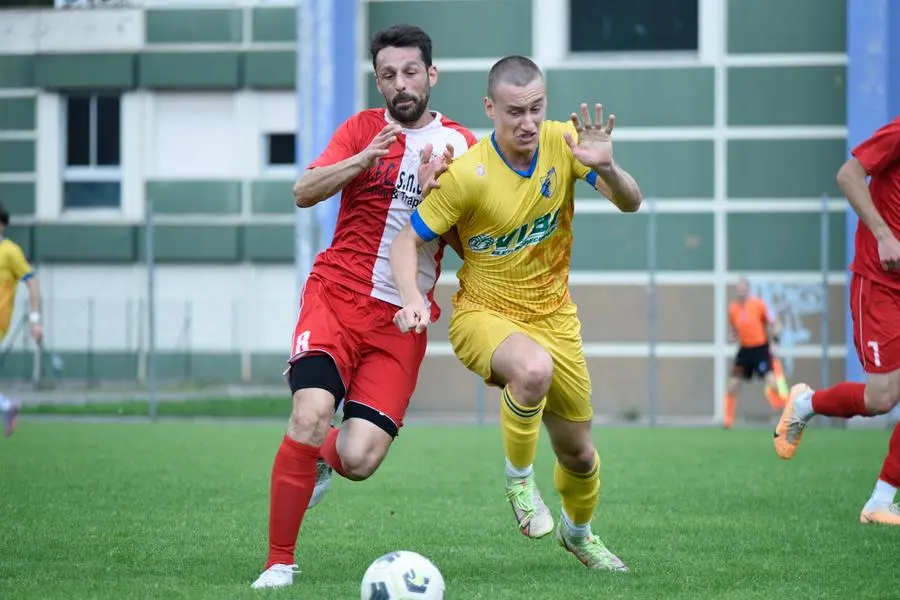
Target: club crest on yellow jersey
(548, 183)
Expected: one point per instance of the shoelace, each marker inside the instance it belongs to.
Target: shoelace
(522, 497)
(795, 427)
(597, 550)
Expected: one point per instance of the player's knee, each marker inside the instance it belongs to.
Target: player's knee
(316, 386)
(881, 395)
(360, 463)
(734, 385)
(533, 376)
(366, 436)
(311, 416)
(578, 458)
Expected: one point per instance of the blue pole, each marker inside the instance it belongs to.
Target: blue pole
(825, 255)
(873, 98)
(327, 49)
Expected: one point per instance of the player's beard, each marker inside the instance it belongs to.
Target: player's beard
(411, 114)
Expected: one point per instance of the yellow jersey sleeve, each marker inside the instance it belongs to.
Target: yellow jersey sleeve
(18, 264)
(581, 171)
(440, 210)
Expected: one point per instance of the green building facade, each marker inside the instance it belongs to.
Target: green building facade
(735, 134)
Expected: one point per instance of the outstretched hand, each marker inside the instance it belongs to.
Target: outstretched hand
(594, 146)
(380, 145)
(431, 167)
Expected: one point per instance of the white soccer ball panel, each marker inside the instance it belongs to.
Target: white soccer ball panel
(402, 575)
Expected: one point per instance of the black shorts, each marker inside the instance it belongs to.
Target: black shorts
(752, 360)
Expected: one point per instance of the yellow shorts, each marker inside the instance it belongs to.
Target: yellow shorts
(476, 334)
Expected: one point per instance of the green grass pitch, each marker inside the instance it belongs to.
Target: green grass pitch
(179, 510)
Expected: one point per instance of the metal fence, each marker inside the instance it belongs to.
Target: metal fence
(655, 361)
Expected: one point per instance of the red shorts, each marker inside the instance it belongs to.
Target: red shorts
(875, 308)
(378, 364)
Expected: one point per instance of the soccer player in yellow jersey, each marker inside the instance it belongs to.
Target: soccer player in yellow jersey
(511, 198)
(14, 267)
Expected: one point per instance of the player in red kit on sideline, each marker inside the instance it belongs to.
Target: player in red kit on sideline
(345, 346)
(875, 308)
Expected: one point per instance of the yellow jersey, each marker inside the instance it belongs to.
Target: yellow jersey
(14, 267)
(515, 226)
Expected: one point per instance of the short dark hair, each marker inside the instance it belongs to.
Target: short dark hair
(4, 215)
(401, 36)
(515, 70)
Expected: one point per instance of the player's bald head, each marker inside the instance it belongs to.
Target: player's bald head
(518, 71)
(742, 288)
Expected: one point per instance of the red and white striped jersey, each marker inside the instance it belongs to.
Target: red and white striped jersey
(378, 203)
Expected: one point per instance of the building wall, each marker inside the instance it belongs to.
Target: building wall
(735, 144)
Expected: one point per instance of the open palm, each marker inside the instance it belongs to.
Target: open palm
(594, 146)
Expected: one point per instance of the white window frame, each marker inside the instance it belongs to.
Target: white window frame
(267, 168)
(553, 50)
(89, 173)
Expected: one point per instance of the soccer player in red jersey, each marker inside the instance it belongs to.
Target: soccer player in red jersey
(875, 308)
(345, 345)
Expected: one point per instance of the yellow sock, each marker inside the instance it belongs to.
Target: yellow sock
(521, 428)
(580, 492)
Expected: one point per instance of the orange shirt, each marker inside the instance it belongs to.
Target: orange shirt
(750, 321)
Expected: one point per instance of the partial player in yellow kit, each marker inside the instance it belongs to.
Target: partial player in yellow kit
(511, 198)
(14, 267)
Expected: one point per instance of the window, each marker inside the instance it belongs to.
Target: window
(92, 177)
(282, 149)
(633, 25)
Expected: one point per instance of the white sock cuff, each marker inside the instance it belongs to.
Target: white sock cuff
(883, 493)
(573, 529)
(512, 471)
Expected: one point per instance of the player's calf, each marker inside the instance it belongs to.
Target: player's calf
(294, 470)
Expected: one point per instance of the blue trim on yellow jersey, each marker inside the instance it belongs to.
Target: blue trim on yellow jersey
(421, 228)
(591, 178)
(534, 159)
(27, 276)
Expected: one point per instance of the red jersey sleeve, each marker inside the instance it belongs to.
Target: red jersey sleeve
(881, 150)
(342, 145)
(471, 140)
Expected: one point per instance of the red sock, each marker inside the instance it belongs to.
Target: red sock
(843, 400)
(890, 471)
(328, 452)
(293, 479)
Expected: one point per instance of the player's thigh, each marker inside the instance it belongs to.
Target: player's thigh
(876, 325)
(875, 309)
(385, 379)
(323, 356)
(569, 396)
(742, 368)
(762, 361)
(325, 326)
(476, 337)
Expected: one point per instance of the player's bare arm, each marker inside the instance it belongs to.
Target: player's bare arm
(405, 267)
(324, 182)
(34, 304)
(594, 150)
(430, 168)
(852, 180)
(452, 239)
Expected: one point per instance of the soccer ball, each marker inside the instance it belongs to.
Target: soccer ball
(402, 575)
